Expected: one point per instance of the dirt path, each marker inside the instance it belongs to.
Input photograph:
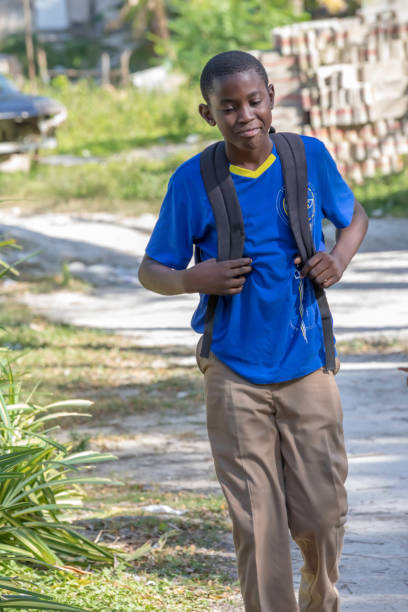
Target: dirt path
(171, 448)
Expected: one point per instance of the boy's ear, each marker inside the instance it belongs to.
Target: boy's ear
(206, 114)
(271, 92)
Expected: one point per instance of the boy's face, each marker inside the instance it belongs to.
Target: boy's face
(240, 105)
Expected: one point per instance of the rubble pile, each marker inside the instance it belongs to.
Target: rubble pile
(345, 81)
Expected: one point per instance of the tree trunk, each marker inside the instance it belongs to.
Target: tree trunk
(29, 40)
(161, 24)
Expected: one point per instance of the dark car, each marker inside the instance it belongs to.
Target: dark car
(27, 123)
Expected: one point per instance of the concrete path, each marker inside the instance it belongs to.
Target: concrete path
(371, 301)
(106, 251)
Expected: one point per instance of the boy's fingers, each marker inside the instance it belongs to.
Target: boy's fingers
(238, 263)
(323, 276)
(312, 264)
(239, 271)
(329, 282)
(236, 281)
(320, 269)
(233, 291)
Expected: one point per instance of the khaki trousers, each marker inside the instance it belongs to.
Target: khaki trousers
(279, 456)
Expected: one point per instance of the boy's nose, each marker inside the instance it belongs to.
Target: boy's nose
(245, 114)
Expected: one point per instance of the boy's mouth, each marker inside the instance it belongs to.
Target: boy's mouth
(249, 132)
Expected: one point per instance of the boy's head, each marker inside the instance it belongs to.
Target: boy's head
(226, 64)
(238, 99)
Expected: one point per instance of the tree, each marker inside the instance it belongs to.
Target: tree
(144, 15)
(201, 28)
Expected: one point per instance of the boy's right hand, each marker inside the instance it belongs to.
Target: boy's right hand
(217, 277)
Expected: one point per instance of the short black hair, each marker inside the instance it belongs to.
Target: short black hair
(225, 64)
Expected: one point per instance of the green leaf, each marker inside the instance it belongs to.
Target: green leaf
(87, 457)
(74, 403)
(25, 603)
(36, 545)
(40, 507)
(4, 415)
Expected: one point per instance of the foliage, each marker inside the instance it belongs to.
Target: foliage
(78, 53)
(105, 121)
(142, 184)
(36, 485)
(202, 28)
(123, 377)
(14, 595)
(384, 195)
(6, 268)
(192, 569)
(122, 120)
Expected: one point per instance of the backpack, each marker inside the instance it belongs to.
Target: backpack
(221, 193)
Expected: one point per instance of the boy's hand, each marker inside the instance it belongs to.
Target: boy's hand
(217, 277)
(323, 268)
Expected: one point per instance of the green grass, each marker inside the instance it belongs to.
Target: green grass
(112, 370)
(104, 121)
(136, 187)
(126, 187)
(190, 567)
(380, 346)
(111, 122)
(387, 195)
(186, 569)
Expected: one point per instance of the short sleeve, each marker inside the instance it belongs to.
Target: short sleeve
(179, 222)
(337, 197)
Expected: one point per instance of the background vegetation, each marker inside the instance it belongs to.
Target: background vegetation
(138, 138)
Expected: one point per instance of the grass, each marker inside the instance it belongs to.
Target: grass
(105, 121)
(135, 187)
(385, 195)
(379, 346)
(112, 370)
(188, 568)
(123, 187)
(124, 119)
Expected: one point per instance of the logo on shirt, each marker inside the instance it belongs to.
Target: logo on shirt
(282, 209)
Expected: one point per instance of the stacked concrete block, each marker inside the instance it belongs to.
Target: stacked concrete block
(284, 73)
(345, 81)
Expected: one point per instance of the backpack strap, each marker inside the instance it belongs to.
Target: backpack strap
(220, 189)
(291, 151)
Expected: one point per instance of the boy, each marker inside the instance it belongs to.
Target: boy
(273, 411)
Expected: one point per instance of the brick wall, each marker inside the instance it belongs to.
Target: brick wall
(345, 81)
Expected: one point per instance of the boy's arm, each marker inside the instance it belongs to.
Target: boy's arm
(326, 269)
(210, 276)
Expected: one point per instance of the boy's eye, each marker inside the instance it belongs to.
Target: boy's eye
(229, 109)
(255, 102)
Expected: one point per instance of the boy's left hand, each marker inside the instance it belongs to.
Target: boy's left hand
(323, 268)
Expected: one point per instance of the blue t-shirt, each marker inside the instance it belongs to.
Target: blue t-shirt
(271, 331)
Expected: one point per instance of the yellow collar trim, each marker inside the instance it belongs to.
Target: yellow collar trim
(253, 173)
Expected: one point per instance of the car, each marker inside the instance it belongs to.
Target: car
(27, 122)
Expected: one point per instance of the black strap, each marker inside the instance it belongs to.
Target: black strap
(292, 155)
(216, 198)
(232, 205)
(230, 228)
(228, 220)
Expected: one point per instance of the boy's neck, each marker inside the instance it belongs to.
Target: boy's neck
(250, 158)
